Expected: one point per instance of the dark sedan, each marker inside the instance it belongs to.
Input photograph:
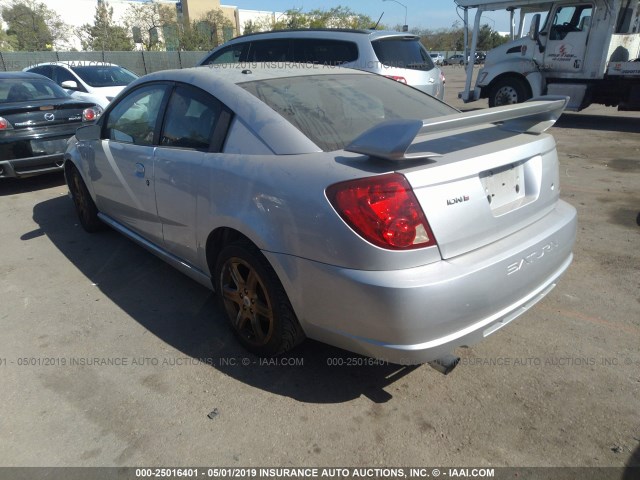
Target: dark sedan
(37, 117)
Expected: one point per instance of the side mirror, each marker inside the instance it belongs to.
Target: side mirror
(88, 133)
(534, 30)
(69, 84)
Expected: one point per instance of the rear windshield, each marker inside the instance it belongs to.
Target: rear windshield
(401, 52)
(25, 90)
(105, 76)
(333, 110)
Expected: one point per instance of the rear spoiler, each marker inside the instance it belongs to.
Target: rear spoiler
(390, 140)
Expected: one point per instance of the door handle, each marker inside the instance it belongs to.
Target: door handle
(139, 170)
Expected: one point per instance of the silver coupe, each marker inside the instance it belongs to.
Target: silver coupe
(333, 204)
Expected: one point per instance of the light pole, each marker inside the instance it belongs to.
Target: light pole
(405, 27)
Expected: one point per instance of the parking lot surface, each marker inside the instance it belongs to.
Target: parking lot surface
(109, 357)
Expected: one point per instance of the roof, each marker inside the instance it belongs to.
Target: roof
(14, 75)
(503, 4)
(223, 79)
(247, 72)
(77, 63)
(318, 32)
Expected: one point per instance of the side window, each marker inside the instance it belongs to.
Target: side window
(232, 54)
(324, 52)
(62, 75)
(269, 51)
(190, 119)
(567, 19)
(134, 118)
(43, 70)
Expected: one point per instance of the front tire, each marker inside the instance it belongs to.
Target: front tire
(508, 91)
(255, 302)
(85, 206)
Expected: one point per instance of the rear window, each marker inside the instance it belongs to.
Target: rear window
(401, 52)
(332, 110)
(25, 90)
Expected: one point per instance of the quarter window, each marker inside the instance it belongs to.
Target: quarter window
(190, 118)
(134, 118)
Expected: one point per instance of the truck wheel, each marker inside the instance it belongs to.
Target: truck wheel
(508, 91)
(255, 302)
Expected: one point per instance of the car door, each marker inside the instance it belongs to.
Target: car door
(567, 36)
(122, 171)
(194, 126)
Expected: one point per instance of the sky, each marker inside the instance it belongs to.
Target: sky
(426, 14)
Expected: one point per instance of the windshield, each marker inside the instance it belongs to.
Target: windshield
(28, 89)
(402, 52)
(332, 110)
(105, 75)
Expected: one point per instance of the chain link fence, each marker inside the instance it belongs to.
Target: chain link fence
(138, 62)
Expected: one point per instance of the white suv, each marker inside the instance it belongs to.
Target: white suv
(397, 55)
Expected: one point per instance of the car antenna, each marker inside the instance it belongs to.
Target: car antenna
(378, 22)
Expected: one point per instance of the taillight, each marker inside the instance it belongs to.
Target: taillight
(5, 124)
(442, 79)
(91, 114)
(397, 79)
(383, 210)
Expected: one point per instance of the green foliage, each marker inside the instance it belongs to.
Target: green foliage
(450, 39)
(32, 26)
(204, 33)
(104, 34)
(149, 19)
(336, 17)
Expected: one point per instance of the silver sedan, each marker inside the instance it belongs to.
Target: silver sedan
(332, 204)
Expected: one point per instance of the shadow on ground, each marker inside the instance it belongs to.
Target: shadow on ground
(13, 186)
(618, 123)
(185, 315)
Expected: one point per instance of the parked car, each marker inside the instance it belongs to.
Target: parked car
(457, 59)
(437, 58)
(37, 117)
(332, 204)
(397, 55)
(97, 82)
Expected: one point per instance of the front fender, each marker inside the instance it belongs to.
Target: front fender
(74, 156)
(516, 66)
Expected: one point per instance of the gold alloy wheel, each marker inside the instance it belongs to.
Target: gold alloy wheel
(247, 302)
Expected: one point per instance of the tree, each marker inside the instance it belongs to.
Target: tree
(206, 32)
(148, 20)
(34, 26)
(336, 17)
(489, 38)
(104, 34)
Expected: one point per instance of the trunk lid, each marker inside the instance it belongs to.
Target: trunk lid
(488, 184)
(482, 176)
(44, 113)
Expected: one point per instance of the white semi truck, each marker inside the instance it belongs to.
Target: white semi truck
(587, 50)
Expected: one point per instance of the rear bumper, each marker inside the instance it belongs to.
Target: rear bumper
(27, 167)
(21, 156)
(419, 314)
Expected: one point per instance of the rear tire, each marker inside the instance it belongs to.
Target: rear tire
(85, 206)
(508, 91)
(254, 301)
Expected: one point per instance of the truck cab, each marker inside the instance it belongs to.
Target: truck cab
(586, 50)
